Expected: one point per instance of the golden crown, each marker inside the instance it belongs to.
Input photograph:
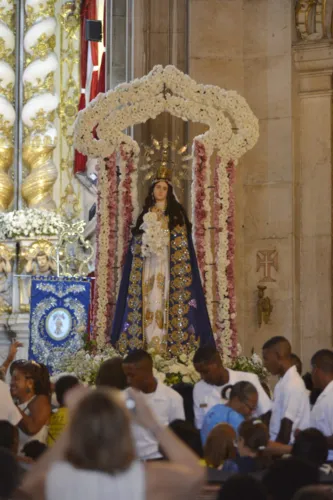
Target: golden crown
(158, 162)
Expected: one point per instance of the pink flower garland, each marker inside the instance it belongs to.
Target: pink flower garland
(126, 218)
(106, 236)
(199, 213)
(231, 257)
(216, 209)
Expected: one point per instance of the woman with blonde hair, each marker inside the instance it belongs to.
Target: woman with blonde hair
(95, 457)
(219, 449)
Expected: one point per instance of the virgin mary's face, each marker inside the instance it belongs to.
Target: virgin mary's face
(160, 191)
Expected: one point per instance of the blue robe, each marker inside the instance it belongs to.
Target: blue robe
(188, 320)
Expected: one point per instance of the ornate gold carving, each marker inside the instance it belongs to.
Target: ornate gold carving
(42, 48)
(37, 186)
(75, 254)
(39, 131)
(7, 254)
(44, 10)
(313, 22)
(8, 91)
(69, 19)
(264, 306)
(36, 258)
(6, 160)
(45, 85)
(7, 13)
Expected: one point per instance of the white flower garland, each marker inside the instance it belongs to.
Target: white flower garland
(120, 226)
(222, 261)
(233, 130)
(209, 259)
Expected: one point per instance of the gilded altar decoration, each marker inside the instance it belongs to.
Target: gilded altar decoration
(7, 255)
(232, 130)
(36, 258)
(69, 18)
(74, 254)
(313, 19)
(40, 104)
(58, 319)
(264, 306)
(7, 111)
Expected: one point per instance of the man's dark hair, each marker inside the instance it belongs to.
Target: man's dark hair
(205, 354)
(297, 362)
(311, 445)
(111, 374)
(242, 486)
(64, 384)
(137, 356)
(7, 435)
(323, 360)
(286, 476)
(34, 449)
(274, 342)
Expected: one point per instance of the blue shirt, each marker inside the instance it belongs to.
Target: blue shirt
(219, 414)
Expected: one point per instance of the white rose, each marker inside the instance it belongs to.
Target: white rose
(183, 358)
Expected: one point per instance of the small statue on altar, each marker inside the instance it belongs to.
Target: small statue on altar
(39, 264)
(5, 279)
(161, 303)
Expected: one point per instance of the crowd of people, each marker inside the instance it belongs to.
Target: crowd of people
(132, 437)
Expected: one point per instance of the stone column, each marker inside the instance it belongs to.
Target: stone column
(314, 63)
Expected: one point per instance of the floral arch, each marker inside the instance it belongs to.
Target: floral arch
(233, 130)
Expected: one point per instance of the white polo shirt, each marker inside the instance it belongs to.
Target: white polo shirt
(321, 416)
(205, 395)
(8, 410)
(167, 406)
(291, 400)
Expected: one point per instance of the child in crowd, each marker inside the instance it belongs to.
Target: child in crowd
(252, 440)
(219, 450)
(59, 417)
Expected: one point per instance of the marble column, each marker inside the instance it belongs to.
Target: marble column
(314, 64)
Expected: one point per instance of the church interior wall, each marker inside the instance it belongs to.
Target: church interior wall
(248, 46)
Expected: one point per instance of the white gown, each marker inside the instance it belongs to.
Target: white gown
(156, 282)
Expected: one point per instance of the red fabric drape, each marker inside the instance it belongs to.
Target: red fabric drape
(88, 11)
(94, 54)
(101, 79)
(79, 159)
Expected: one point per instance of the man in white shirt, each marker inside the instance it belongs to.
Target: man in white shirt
(8, 410)
(166, 403)
(291, 406)
(214, 377)
(321, 416)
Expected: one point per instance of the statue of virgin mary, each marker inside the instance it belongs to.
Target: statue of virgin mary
(161, 303)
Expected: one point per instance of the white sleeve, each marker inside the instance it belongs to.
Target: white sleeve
(199, 410)
(176, 408)
(293, 401)
(264, 402)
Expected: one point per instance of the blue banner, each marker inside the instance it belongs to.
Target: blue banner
(59, 310)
